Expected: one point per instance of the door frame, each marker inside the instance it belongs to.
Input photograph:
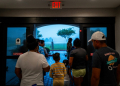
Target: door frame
(4, 49)
(23, 21)
(110, 38)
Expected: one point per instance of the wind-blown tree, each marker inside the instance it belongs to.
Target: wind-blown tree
(38, 34)
(66, 33)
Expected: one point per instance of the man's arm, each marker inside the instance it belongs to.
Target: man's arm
(118, 74)
(45, 64)
(96, 69)
(95, 76)
(86, 58)
(18, 72)
(70, 61)
(46, 55)
(50, 74)
(46, 69)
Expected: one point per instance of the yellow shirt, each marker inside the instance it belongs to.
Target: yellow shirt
(57, 71)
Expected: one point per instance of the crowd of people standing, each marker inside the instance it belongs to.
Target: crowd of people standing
(105, 66)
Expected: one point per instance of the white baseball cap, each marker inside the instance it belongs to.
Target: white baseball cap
(97, 36)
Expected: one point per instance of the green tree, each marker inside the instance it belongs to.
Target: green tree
(38, 34)
(66, 33)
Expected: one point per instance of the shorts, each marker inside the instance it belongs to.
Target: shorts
(78, 72)
(57, 82)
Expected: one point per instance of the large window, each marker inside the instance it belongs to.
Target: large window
(57, 35)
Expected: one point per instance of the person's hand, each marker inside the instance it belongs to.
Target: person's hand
(46, 55)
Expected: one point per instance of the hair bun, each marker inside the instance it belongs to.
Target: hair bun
(30, 39)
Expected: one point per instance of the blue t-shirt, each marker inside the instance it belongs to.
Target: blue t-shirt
(41, 50)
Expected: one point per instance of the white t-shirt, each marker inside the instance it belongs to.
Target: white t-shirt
(32, 64)
(67, 78)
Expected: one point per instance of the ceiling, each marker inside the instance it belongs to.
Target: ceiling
(67, 3)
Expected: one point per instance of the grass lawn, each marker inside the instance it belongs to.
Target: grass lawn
(57, 46)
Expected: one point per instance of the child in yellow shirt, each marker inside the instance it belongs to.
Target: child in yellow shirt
(57, 71)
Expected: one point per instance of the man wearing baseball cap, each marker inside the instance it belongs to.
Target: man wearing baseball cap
(105, 62)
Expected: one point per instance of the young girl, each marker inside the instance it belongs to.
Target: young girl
(68, 75)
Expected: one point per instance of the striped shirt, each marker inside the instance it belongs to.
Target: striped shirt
(57, 71)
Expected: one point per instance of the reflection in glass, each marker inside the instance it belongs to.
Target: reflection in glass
(13, 44)
(11, 78)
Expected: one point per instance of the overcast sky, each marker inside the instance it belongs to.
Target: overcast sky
(51, 31)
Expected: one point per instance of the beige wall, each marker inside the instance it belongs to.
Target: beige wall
(58, 12)
(117, 30)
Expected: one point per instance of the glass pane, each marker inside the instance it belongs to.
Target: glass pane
(11, 78)
(16, 37)
(91, 30)
(51, 37)
(56, 35)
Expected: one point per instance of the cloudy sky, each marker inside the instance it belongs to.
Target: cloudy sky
(51, 31)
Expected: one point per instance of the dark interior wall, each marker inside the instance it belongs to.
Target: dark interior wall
(50, 20)
(30, 21)
(65, 12)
